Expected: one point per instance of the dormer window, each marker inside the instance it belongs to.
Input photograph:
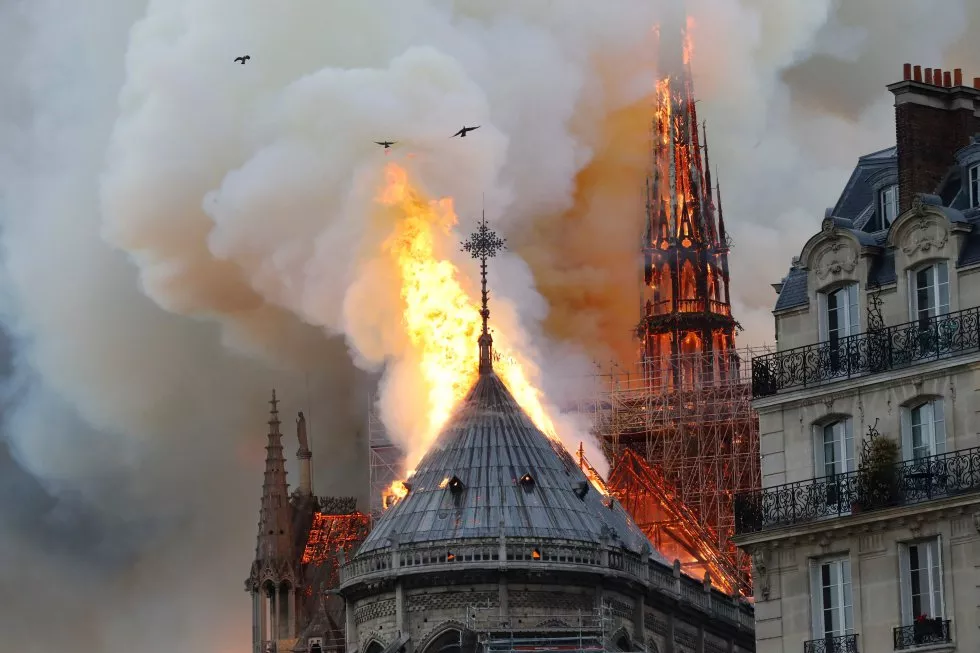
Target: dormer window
(887, 206)
(973, 175)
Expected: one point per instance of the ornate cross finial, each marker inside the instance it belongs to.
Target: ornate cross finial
(484, 244)
(274, 413)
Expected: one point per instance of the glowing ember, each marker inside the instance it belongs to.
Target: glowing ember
(441, 320)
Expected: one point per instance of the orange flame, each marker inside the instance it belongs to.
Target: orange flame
(442, 322)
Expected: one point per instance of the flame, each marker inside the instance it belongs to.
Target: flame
(688, 40)
(441, 320)
(444, 483)
(394, 493)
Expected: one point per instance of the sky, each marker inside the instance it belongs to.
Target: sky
(181, 233)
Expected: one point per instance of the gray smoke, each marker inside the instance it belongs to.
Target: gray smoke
(134, 408)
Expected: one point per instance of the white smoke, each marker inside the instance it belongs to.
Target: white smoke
(180, 234)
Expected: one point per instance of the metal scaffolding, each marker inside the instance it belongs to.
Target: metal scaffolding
(700, 437)
(385, 460)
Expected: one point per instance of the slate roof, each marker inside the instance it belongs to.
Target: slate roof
(489, 445)
(855, 211)
(856, 202)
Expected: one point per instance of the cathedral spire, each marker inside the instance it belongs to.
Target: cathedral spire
(275, 522)
(686, 309)
(484, 244)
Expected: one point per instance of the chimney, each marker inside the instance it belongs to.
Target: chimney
(917, 74)
(958, 77)
(932, 121)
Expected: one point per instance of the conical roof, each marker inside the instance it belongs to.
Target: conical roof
(491, 469)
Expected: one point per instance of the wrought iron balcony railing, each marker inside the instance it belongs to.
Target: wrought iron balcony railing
(840, 644)
(923, 633)
(867, 353)
(912, 481)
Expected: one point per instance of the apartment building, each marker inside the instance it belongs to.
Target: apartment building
(865, 537)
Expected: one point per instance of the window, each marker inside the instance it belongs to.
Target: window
(921, 580)
(830, 598)
(974, 176)
(887, 206)
(835, 451)
(924, 430)
(930, 296)
(840, 313)
(834, 455)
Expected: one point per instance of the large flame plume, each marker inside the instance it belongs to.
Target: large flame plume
(441, 319)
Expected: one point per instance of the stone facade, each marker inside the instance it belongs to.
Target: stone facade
(882, 345)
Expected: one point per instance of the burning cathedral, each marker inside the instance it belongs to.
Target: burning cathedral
(501, 543)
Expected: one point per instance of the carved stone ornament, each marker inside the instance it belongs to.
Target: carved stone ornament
(835, 258)
(925, 235)
(976, 521)
(760, 560)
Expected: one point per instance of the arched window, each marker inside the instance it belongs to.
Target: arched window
(834, 447)
(689, 282)
(666, 283)
(839, 316)
(923, 429)
(929, 296)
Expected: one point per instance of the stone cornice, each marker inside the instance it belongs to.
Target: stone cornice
(835, 528)
(864, 384)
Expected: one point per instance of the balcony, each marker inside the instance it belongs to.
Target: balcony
(667, 306)
(923, 633)
(917, 481)
(890, 348)
(841, 644)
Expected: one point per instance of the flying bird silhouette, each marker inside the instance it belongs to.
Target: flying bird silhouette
(242, 59)
(465, 130)
(386, 144)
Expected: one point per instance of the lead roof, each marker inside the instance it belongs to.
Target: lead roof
(489, 445)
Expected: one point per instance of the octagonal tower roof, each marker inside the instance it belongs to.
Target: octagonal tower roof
(492, 471)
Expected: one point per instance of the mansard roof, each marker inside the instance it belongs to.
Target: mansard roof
(854, 212)
(491, 471)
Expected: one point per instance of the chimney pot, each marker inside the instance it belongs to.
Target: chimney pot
(958, 77)
(929, 76)
(917, 73)
(937, 76)
(976, 82)
(947, 79)
(907, 72)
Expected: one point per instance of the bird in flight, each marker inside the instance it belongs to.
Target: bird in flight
(465, 130)
(386, 144)
(242, 59)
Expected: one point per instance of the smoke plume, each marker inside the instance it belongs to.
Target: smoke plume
(181, 233)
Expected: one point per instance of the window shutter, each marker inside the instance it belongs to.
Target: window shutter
(822, 316)
(819, 463)
(816, 600)
(906, 433)
(911, 295)
(853, 316)
(848, 445)
(937, 576)
(939, 426)
(905, 585)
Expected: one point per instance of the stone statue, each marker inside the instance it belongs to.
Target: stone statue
(304, 444)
